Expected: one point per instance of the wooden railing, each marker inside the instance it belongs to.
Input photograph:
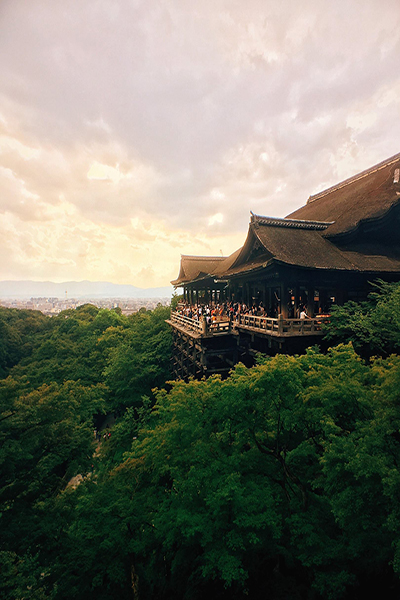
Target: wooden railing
(281, 326)
(220, 325)
(276, 327)
(263, 323)
(191, 324)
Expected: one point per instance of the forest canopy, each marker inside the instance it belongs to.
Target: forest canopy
(279, 481)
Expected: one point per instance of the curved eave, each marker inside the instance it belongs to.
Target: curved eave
(386, 216)
(202, 278)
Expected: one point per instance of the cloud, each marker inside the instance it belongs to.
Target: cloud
(100, 125)
(146, 256)
(131, 132)
(217, 218)
(105, 172)
(9, 144)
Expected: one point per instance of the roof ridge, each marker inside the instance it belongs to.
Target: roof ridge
(293, 223)
(353, 178)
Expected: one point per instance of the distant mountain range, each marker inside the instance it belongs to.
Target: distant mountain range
(78, 289)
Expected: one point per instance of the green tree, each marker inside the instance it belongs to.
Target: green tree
(140, 359)
(18, 329)
(278, 480)
(372, 326)
(75, 348)
(226, 485)
(46, 438)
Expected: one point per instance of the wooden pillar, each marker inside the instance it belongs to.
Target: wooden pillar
(310, 301)
(247, 294)
(194, 358)
(323, 299)
(297, 301)
(339, 296)
(269, 307)
(280, 324)
(284, 311)
(204, 325)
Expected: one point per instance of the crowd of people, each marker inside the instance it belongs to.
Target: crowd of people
(218, 312)
(224, 311)
(232, 310)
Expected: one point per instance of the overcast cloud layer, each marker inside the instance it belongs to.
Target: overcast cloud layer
(133, 131)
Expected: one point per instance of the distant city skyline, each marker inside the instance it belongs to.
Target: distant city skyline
(132, 132)
(53, 306)
(67, 290)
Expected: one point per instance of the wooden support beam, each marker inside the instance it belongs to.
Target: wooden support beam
(284, 310)
(310, 301)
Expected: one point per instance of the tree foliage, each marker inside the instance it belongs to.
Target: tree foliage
(45, 439)
(141, 359)
(49, 403)
(280, 481)
(372, 326)
(18, 328)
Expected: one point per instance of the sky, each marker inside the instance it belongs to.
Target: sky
(134, 131)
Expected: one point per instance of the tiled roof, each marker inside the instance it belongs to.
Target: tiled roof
(198, 267)
(194, 266)
(289, 223)
(373, 257)
(365, 196)
(301, 247)
(306, 238)
(309, 249)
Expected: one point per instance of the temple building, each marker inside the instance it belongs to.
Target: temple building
(325, 253)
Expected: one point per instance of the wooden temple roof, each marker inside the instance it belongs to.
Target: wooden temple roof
(317, 236)
(368, 195)
(194, 268)
(305, 247)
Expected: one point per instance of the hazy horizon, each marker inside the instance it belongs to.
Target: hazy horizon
(24, 289)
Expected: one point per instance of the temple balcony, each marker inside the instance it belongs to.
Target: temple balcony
(201, 349)
(280, 327)
(200, 328)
